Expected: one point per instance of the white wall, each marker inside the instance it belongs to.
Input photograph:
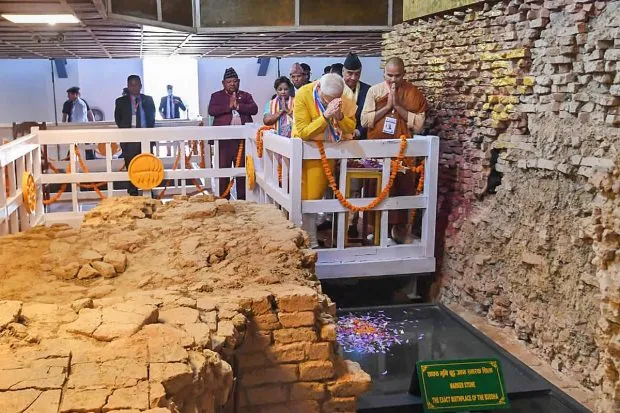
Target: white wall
(211, 72)
(27, 90)
(27, 85)
(102, 81)
(181, 72)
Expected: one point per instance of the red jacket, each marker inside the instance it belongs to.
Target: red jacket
(221, 112)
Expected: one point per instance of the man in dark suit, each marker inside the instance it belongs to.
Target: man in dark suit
(169, 105)
(134, 110)
(231, 106)
(351, 73)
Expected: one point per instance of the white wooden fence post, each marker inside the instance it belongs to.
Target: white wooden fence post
(430, 190)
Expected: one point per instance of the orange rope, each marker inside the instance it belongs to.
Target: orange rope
(280, 173)
(384, 193)
(94, 186)
(174, 167)
(62, 189)
(203, 161)
(237, 165)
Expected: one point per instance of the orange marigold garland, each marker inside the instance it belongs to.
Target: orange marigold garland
(259, 139)
(237, 165)
(250, 173)
(420, 187)
(384, 193)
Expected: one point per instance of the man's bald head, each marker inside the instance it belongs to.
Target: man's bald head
(397, 62)
(394, 71)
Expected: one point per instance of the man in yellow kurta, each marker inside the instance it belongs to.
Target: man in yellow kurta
(324, 111)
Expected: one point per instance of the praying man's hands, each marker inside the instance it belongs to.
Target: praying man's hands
(334, 109)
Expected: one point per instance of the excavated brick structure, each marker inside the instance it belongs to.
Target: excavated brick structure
(196, 306)
(525, 96)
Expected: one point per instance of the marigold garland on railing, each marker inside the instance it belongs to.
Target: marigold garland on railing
(237, 165)
(259, 139)
(420, 187)
(395, 164)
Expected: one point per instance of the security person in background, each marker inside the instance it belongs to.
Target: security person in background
(169, 105)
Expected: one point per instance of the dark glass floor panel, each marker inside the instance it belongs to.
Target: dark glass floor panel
(432, 332)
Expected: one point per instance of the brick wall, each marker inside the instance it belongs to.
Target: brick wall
(525, 97)
(288, 360)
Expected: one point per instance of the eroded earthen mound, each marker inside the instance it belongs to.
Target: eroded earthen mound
(158, 308)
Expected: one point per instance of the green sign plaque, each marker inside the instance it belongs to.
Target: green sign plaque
(457, 385)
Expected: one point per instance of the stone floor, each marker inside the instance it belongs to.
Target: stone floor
(505, 339)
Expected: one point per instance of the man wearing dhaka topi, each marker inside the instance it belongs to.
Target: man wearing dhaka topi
(324, 111)
(231, 106)
(393, 108)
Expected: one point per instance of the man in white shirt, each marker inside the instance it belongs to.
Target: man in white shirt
(75, 109)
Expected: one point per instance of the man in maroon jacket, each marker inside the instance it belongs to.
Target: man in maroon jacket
(231, 106)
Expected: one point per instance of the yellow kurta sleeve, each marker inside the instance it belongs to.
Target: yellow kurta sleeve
(305, 127)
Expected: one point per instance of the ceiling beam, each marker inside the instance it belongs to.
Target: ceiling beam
(261, 44)
(24, 49)
(101, 9)
(68, 7)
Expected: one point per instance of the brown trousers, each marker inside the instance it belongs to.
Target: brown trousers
(404, 185)
(228, 157)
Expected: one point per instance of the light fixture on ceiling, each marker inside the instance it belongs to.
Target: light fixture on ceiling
(50, 19)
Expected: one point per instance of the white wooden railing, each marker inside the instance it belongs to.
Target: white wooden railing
(343, 261)
(24, 154)
(19, 156)
(108, 170)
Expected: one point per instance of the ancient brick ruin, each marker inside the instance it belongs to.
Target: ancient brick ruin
(193, 307)
(525, 95)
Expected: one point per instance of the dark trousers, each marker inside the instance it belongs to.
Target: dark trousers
(228, 157)
(404, 185)
(130, 151)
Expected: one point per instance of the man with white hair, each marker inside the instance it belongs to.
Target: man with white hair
(324, 111)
